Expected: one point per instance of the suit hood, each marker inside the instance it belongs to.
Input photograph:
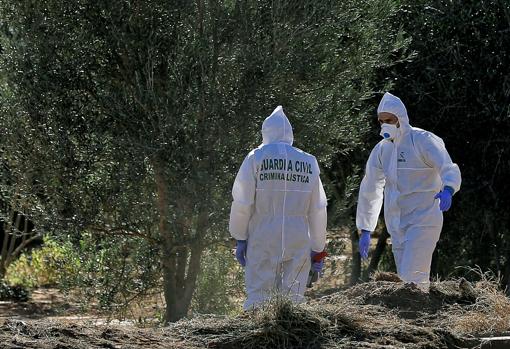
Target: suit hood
(392, 104)
(276, 128)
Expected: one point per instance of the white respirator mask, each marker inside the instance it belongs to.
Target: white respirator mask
(389, 131)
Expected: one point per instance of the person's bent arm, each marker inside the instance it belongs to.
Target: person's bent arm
(434, 153)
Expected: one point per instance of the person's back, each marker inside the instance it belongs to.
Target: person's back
(279, 206)
(284, 184)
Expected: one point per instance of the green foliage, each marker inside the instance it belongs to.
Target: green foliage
(109, 272)
(49, 265)
(114, 271)
(220, 283)
(91, 89)
(134, 117)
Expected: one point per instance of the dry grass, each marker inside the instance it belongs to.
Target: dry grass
(490, 313)
(385, 276)
(278, 324)
(376, 314)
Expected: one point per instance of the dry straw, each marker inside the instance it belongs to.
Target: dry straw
(377, 314)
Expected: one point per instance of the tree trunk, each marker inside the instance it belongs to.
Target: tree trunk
(505, 281)
(3, 268)
(9, 251)
(188, 288)
(181, 262)
(169, 262)
(434, 264)
(378, 252)
(356, 258)
(4, 251)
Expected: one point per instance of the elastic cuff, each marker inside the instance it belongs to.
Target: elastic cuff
(363, 231)
(450, 189)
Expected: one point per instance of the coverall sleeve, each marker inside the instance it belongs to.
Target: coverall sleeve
(317, 217)
(434, 154)
(243, 193)
(371, 193)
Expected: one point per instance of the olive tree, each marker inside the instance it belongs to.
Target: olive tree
(131, 117)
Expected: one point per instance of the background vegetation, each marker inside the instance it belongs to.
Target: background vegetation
(123, 125)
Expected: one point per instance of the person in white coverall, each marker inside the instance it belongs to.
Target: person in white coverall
(278, 215)
(412, 170)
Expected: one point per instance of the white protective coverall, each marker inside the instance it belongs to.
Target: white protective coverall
(279, 206)
(410, 170)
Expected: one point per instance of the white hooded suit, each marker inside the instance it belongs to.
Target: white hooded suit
(410, 171)
(279, 206)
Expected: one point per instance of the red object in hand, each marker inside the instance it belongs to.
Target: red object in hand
(319, 256)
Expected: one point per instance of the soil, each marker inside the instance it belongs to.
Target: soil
(17, 334)
(43, 303)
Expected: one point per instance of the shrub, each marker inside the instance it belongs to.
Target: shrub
(47, 266)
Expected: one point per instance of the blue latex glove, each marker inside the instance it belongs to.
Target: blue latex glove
(364, 243)
(317, 266)
(445, 198)
(241, 247)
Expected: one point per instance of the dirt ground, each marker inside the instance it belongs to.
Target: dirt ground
(43, 303)
(377, 314)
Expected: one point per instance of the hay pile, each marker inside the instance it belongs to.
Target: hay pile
(377, 314)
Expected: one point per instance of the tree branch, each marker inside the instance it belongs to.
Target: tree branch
(122, 232)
